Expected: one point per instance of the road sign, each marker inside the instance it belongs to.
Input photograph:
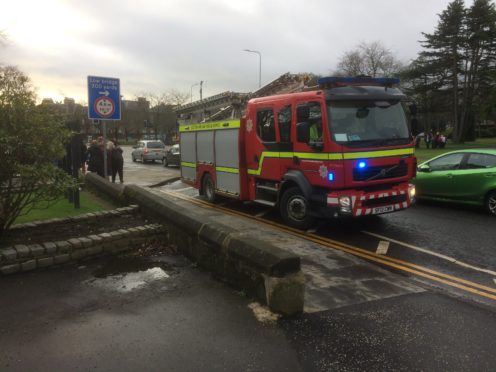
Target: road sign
(104, 98)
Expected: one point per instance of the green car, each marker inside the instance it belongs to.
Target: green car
(463, 176)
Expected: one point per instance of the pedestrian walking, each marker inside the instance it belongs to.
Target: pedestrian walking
(117, 161)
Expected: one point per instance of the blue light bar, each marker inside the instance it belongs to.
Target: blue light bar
(362, 164)
(330, 176)
(335, 81)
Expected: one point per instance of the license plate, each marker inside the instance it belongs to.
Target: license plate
(379, 210)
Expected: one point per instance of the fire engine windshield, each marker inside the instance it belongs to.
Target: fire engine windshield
(368, 123)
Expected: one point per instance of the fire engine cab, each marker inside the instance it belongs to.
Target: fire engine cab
(342, 150)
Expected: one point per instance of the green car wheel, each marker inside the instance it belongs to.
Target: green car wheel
(491, 203)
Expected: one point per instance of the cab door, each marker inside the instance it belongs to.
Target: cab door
(309, 156)
(261, 142)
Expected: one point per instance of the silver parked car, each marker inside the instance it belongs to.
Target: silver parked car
(148, 150)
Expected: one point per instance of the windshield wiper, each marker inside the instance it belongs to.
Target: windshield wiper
(365, 143)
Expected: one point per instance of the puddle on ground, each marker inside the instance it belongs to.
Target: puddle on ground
(126, 274)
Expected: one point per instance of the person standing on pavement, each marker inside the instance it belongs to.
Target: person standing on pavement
(95, 158)
(428, 138)
(117, 161)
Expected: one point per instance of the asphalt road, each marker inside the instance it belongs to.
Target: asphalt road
(147, 174)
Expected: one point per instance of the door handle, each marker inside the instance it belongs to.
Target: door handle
(255, 158)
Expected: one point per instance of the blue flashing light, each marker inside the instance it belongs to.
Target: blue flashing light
(335, 81)
(361, 164)
(330, 176)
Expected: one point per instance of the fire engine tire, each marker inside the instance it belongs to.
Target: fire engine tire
(295, 209)
(209, 188)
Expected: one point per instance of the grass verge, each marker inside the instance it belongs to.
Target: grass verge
(62, 208)
(424, 154)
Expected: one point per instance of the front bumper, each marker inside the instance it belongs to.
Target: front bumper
(360, 203)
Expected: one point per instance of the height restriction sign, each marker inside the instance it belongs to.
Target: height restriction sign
(104, 98)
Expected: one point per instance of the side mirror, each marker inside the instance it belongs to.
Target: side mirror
(303, 132)
(424, 168)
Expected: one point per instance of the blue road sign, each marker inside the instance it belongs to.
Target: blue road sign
(104, 98)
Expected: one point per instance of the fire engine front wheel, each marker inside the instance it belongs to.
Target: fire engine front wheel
(295, 209)
(209, 188)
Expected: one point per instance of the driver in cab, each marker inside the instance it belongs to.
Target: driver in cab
(315, 120)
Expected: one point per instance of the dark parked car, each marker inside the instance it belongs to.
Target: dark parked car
(463, 176)
(173, 156)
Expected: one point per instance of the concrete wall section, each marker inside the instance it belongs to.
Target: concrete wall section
(238, 258)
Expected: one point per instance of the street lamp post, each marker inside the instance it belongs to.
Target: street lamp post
(259, 65)
(194, 85)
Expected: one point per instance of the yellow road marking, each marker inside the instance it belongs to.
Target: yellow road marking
(418, 270)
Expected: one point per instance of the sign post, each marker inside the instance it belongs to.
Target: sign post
(104, 103)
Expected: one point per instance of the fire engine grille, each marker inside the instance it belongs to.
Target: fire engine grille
(382, 172)
(393, 199)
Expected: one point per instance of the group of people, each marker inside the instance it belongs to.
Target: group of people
(435, 141)
(115, 160)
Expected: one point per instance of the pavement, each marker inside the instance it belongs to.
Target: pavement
(164, 313)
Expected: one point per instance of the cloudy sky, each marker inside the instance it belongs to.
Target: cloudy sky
(156, 45)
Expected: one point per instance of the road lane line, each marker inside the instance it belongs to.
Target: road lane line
(184, 189)
(439, 255)
(382, 247)
(452, 281)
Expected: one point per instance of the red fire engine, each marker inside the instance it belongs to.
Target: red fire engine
(343, 150)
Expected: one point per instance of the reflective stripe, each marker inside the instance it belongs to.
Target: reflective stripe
(377, 154)
(188, 165)
(231, 124)
(227, 170)
(326, 156)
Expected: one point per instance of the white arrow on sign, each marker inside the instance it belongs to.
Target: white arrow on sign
(105, 93)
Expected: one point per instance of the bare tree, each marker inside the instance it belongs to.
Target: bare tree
(351, 64)
(372, 59)
(175, 97)
(161, 114)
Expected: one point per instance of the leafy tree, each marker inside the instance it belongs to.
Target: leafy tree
(480, 64)
(372, 59)
(457, 65)
(31, 139)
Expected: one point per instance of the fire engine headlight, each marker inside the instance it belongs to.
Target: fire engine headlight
(345, 203)
(411, 191)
